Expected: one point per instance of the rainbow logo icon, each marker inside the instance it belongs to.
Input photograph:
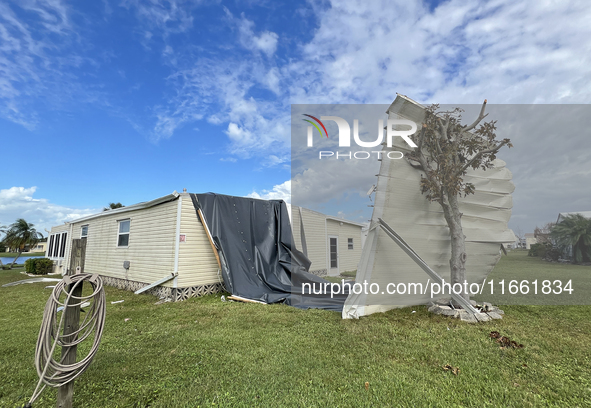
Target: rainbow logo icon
(315, 125)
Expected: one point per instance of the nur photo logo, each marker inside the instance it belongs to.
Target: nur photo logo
(392, 131)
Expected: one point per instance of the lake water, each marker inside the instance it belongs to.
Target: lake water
(21, 260)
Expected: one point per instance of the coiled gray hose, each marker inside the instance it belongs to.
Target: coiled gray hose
(50, 371)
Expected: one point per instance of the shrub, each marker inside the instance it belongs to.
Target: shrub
(39, 266)
(30, 265)
(545, 251)
(43, 266)
(538, 250)
(553, 254)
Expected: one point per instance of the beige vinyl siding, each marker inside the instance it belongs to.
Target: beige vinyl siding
(315, 232)
(295, 227)
(151, 244)
(348, 258)
(197, 262)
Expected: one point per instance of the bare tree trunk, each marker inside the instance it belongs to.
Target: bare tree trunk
(18, 256)
(457, 262)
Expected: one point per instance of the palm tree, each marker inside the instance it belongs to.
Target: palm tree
(574, 232)
(21, 234)
(113, 206)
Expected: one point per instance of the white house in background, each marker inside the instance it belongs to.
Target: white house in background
(137, 245)
(332, 244)
(530, 239)
(41, 246)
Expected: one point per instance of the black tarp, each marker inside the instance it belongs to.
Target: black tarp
(258, 259)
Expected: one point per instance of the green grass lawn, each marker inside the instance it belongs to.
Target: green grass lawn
(204, 352)
(522, 268)
(13, 254)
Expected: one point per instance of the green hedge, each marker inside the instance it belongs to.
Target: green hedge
(545, 251)
(39, 266)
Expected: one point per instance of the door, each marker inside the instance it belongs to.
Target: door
(333, 255)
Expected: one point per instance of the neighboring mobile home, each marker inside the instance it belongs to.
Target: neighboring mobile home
(332, 244)
(131, 247)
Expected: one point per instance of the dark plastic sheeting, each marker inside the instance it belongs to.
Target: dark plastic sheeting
(255, 245)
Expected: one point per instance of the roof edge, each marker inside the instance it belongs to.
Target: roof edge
(146, 204)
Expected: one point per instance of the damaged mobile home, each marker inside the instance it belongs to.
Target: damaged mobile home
(186, 245)
(401, 207)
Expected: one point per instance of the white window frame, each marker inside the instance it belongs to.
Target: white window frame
(57, 243)
(82, 230)
(350, 243)
(119, 233)
(63, 243)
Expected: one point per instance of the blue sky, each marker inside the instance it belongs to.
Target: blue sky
(129, 100)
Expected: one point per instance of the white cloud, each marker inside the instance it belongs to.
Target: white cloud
(271, 80)
(278, 192)
(18, 202)
(166, 16)
(254, 126)
(365, 52)
(38, 60)
(273, 161)
(462, 52)
(266, 41)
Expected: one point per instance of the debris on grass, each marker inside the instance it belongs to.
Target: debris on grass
(118, 301)
(454, 370)
(367, 385)
(504, 341)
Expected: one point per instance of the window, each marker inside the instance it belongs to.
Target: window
(334, 254)
(50, 252)
(63, 246)
(350, 243)
(123, 236)
(57, 245)
(84, 231)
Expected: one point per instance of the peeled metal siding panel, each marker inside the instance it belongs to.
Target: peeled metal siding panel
(421, 223)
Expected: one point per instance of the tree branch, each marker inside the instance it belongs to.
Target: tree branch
(421, 137)
(481, 116)
(480, 153)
